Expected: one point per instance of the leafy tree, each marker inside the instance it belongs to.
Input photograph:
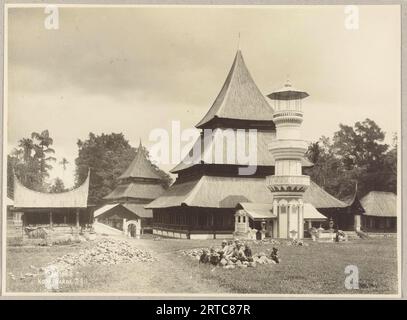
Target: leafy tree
(30, 161)
(326, 165)
(57, 186)
(43, 150)
(107, 156)
(356, 155)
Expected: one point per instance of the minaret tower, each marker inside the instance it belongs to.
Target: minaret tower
(288, 184)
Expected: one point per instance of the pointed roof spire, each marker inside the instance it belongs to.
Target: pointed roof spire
(239, 98)
(238, 41)
(140, 167)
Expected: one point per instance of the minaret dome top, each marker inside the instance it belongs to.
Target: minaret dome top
(288, 92)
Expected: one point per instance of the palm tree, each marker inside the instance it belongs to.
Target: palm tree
(314, 152)
(43, 148)
(64, 162)
(28, 146)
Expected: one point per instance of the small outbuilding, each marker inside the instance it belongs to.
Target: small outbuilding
(124, 208)
(259, 219)
(380, 212)
(52, 214)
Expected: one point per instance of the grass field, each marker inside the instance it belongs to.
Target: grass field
(315, 269)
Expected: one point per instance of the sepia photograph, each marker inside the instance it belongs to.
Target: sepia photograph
(202, 150)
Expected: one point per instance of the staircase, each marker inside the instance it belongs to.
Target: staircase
(352, 235)
(102, 228)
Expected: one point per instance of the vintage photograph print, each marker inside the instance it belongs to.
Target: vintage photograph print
(202, 150)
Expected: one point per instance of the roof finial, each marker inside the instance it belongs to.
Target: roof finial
(238, 41)
(288, 82)
(140, 146)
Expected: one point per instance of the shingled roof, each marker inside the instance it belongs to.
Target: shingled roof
(319, 198)
(136, 190)
(227, 192)
(380, 204)
(209, 151)
(239, 98)
(140, 167)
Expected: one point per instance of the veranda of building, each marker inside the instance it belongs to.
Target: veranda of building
(52, 213)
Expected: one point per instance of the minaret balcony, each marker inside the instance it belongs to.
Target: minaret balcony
(287, 116)
(288, 183)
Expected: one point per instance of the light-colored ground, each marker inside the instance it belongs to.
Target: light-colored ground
(317, 268)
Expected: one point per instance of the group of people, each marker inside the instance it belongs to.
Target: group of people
(230, 250)
(234, 251)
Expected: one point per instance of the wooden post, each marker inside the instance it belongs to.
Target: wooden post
(288, 220)
(299, 222)
(50, 219)
(22, 224)
(77, 218)
(278, 222)
(213, 225)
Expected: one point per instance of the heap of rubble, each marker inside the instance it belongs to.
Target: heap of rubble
(106, 251)
(267, 241)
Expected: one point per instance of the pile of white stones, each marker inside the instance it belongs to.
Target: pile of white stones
(267, 241)
(106, 251)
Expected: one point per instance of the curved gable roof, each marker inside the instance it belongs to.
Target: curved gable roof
(27, 198)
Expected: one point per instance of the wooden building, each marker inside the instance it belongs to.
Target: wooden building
(52, 214)
(124, 209)
(380, 212)
(202, 202)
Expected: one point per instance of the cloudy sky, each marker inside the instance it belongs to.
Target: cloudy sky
(132, 70)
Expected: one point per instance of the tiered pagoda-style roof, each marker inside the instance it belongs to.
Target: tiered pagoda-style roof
(140, 182)
(140, 167)
(238, 100)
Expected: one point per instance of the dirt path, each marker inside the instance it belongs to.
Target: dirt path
(170, 274)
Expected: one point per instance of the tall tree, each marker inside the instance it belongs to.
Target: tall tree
(57, 186)
(43, 150)
(356, 155)
(29, 161)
